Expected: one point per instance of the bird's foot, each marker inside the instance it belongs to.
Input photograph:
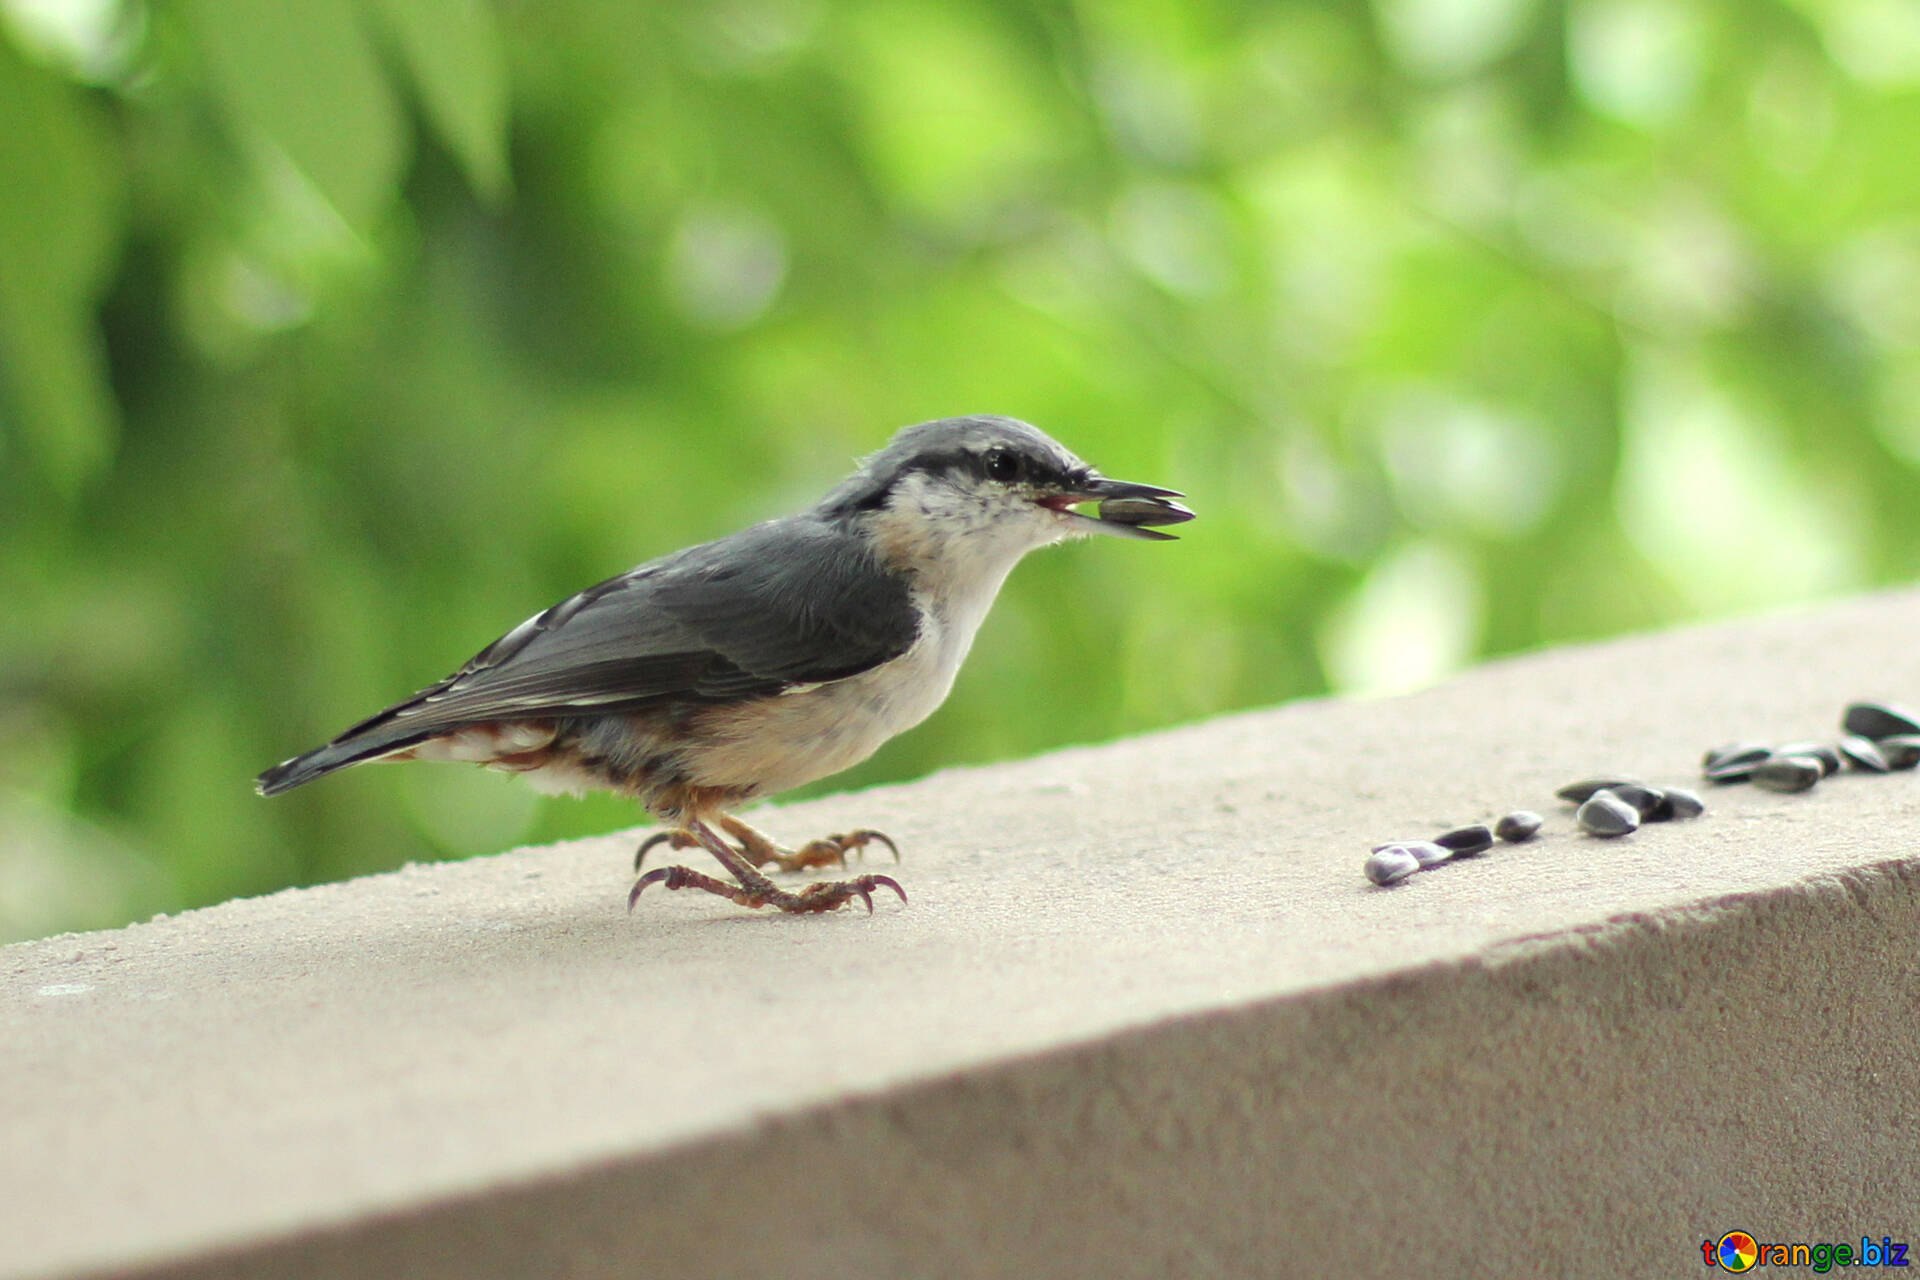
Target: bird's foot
(754, 889)
(827, 895)
(829, 851)
(760, 851)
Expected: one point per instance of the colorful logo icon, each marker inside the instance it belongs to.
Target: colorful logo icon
(1736, 1251)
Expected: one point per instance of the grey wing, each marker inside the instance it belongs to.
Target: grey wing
(789, 602)
(784, 603)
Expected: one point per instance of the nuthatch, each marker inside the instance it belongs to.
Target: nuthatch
(780, 654)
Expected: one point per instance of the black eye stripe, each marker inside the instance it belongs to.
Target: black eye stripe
(977, 463)
(1003, 465)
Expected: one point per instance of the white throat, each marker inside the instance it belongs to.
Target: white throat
(957, 551)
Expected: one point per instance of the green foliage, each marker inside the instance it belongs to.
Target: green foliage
(60, 223)
(337, 336)
(301, 88)
(454, 52)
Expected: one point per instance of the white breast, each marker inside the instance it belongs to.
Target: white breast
(811, 733)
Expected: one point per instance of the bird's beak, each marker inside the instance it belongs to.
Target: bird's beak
(1127, 510)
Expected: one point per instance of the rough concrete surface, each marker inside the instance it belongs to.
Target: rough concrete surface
(1143, 1017)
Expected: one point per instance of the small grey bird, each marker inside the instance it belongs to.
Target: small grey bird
(766, 659)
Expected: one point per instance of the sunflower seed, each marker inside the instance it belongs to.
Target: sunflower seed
(1429, 853)
(1147, 511)
(1736, 768)
(1605, 814)
(1789, 773)
(1828, 757)
(1579, 792)
(1878, 720)
(1863, 755)
(1902, 750)
(1391, 864)
(1649, 802)
(1682, 803)
(1521, 824)
(1466, 841)
(1734, 753)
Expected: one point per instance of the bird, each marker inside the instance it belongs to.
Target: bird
(769, 658)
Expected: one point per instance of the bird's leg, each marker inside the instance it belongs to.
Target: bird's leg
(675, 838)
(830, 851)
(754, 889)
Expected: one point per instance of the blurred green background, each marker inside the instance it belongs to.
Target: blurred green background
(336, 336)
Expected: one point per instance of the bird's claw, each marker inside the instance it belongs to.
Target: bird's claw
(869, 883)
(866, 835)
(679, 839)
(652, 877)
(832, 893)
(887, 882)
(832, 851)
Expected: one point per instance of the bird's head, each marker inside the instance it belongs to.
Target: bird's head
(988, 487)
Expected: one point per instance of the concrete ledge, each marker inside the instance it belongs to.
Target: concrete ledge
(1143, 1017)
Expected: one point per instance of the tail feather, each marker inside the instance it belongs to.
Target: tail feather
(348, 749)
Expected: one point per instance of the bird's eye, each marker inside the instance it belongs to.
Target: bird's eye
(1003, 465)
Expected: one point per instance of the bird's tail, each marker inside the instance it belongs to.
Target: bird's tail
(352, 747)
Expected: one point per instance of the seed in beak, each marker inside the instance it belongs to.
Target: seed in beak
(1144, 511)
